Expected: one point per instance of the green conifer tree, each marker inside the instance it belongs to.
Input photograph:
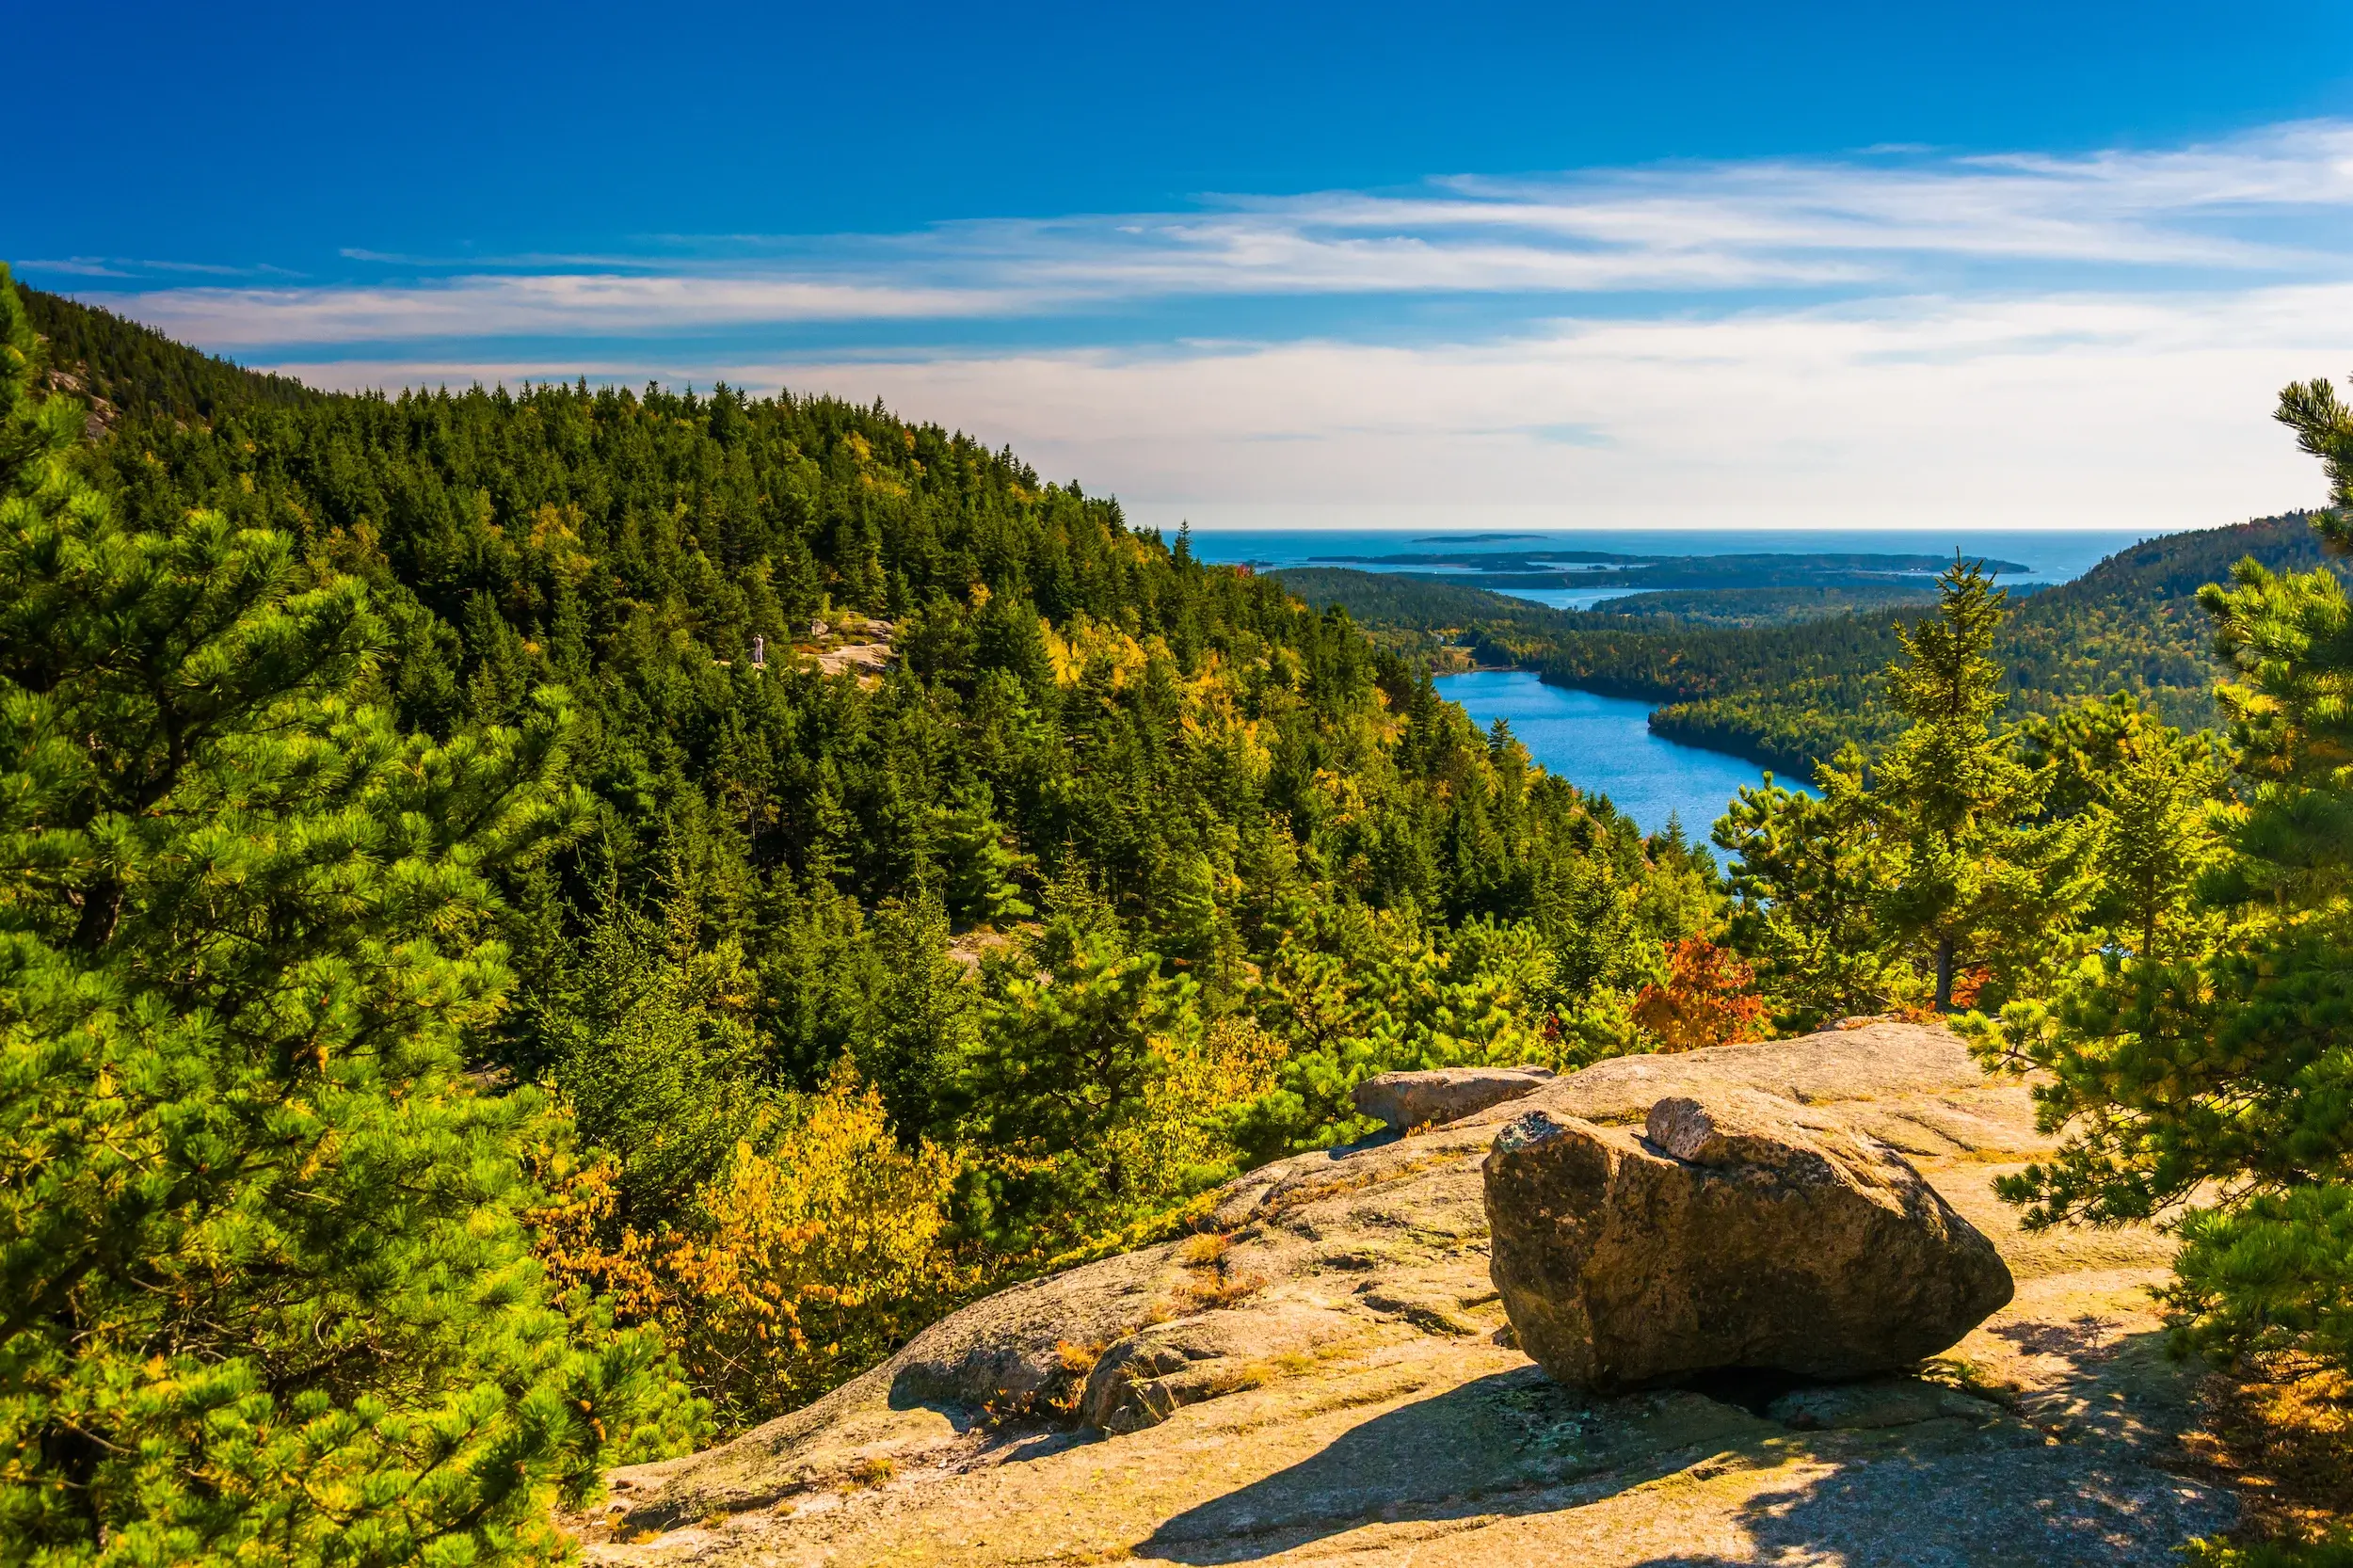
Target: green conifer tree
(1970, 874)
(922, 1025)
(1809, 877)
(2152, 837)
(660, 1060)
(981, 871)
(265, 1293)
(2140, 790)
(1185, 908)
(1074, 1032)
(2212, 1083)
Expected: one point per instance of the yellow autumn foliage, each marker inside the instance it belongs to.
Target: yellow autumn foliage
(816, 1251)
(1173, 1145)
(1083, 641)
(817, 1255)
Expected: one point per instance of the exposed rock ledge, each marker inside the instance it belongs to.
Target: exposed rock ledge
(1326, 1373)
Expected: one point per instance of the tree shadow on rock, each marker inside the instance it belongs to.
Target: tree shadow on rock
(2025, 1505)
(1499, 1444)
(1998, 1491)
(2074, 1475)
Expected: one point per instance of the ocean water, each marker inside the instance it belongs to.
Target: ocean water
(1604, 744)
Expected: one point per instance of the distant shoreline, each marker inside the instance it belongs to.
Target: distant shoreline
(1779, 766)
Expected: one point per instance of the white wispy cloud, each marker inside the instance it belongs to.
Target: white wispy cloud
(2025, 339)
(133, 267)
(557, 304)
(2114, 410)
(1852, 226)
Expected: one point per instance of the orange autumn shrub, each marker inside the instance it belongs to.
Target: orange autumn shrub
(577, 1239)
(1710, 998)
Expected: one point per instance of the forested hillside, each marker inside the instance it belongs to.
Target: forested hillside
(1788, 694)
(1780, 606)
(1439, 625)
(812, 867)
(123, 367)
(1067, 700)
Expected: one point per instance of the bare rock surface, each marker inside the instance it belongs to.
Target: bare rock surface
(856, 658)
(1432, 1099)
(1327, 1375)
(1734, 1231)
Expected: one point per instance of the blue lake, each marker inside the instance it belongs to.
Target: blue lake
(1603, 746)
(1603, 743)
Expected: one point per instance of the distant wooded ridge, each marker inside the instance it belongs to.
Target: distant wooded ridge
(1872, 577)
(1522, 560)
(1785, 675)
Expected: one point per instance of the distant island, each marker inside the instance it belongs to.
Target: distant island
(1779, 561)
(1830, 581)
(1470, 538)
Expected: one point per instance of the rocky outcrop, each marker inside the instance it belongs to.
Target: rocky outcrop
(1149, 1375)
(856, 646)
(1434, 1099)
(1327, 1373)
(1735, 1231)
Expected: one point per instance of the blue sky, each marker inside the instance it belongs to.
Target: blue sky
(2007, 265)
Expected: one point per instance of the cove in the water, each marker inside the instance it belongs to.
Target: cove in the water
(1603, 746)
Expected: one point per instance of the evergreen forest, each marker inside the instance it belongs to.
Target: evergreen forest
(542, 928)
(547, 927)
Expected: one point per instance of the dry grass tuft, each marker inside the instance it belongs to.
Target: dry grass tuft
(1210, 1280)
(871, 1471)
(1076, 1359)
(1208, 1295)
(1196, 1252)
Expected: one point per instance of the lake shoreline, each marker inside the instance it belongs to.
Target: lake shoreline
(1604, 745)
(1757, 757)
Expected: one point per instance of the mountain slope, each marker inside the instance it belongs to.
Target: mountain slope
(128, 369)
(2131, 624)
(942, 830)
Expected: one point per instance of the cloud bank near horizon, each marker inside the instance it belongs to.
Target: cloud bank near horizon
(2022, 339)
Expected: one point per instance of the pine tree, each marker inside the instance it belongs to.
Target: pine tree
(660, 1062)
(1185, 908)
(1970, 875)
(1076, 1029)
(922, 1025)
(2140, 791)
(264, 1294)
(2153, 837)
(1809, 877)
(981, 871)
(2213, 1083)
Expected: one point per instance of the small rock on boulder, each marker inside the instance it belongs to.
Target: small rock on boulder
(1739, 1230)
(1408, 1100)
